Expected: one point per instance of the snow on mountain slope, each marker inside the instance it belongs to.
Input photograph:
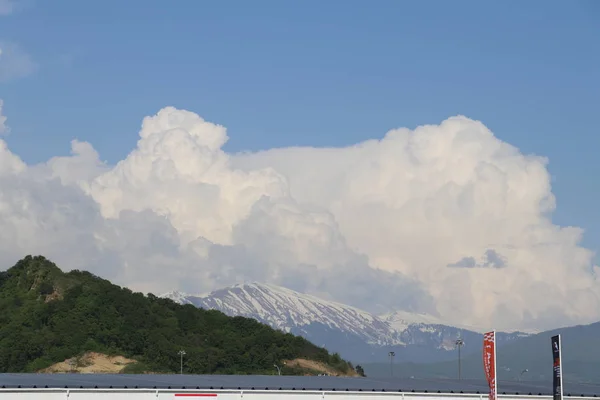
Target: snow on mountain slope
(401, 320)
(286, 309)
(354, 333)
(177, 297)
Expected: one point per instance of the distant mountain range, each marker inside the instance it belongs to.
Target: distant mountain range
(528, 358)
(353, 333)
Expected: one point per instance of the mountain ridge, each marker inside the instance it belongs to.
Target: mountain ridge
(529, 358)
(350, 331)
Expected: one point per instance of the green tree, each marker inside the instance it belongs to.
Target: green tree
(360, 371)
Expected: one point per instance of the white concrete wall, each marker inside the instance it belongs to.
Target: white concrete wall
(149, 394)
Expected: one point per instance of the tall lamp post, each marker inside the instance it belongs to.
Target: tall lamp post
(181, 354)
(391, 354)
(522, 372)
(459, 342)
(278, 369)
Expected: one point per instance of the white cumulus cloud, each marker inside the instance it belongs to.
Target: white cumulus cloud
(445, 219)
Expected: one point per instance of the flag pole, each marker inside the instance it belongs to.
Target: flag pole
(557, 390)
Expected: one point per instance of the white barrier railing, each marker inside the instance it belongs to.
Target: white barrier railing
(164, 394)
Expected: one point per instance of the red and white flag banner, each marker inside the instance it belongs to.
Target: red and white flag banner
(489, 362)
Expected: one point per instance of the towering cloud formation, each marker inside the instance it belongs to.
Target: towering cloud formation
(445, 219)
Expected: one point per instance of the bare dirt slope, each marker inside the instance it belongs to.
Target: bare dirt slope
(318, 367)
(91, 363)
(98, 363)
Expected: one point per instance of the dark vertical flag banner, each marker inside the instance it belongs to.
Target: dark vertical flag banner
(489, 362)
(557, 371)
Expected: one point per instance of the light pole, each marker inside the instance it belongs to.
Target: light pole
(181, 354)
(459, 342)
(391, 354)
(278, 369)
(73, 364)
(522, 372)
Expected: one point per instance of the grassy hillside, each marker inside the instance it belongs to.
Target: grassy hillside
(47, 316)
(581, 359)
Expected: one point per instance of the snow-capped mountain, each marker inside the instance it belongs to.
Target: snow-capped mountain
(177, 297)
(287, 310)
(355, 334)
(401, 320)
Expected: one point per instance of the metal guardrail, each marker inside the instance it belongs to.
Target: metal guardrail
(107, 393)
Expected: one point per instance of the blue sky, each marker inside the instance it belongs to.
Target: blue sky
(315, 73)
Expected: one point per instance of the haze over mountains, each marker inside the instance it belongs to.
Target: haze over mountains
(354, 333)
(424, 345)
(529, 358)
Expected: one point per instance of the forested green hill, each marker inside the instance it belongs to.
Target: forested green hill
(47, 316)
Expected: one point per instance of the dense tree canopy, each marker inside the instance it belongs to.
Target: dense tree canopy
(47, 316)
